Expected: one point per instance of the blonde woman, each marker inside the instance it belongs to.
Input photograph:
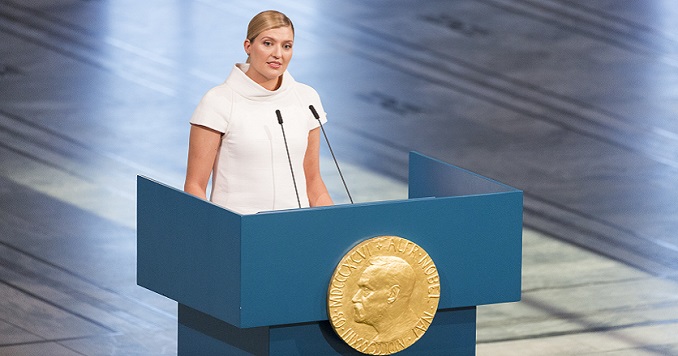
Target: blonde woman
(236, 138)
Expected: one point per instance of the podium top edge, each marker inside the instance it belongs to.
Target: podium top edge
(414, 155)
(404, 201)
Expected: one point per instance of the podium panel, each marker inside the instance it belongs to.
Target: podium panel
(268, 273)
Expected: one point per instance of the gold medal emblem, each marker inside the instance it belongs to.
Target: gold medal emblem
(383, 295)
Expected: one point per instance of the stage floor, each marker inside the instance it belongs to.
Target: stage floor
(573, 102)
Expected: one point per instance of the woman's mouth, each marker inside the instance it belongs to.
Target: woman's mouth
(274, 65)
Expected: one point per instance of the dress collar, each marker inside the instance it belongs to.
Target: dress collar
(250, 89)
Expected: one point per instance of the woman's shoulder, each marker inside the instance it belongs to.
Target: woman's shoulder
(219, 97)
(306, 90)
(220, 91)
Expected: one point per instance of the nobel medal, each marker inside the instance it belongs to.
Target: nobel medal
(383, 295)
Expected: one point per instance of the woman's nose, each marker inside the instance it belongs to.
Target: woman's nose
(277, 52)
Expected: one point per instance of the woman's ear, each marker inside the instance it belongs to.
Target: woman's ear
(246, 45)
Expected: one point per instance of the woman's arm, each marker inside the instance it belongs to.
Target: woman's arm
(315, 187)
(203, 146)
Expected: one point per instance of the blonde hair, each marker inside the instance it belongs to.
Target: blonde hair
(267, 20)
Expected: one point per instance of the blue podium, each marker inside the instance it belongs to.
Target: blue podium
(257, 284)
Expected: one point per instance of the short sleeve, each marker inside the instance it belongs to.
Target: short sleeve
(310, 96)
(214, 109)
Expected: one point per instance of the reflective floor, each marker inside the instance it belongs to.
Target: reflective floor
(574, 102)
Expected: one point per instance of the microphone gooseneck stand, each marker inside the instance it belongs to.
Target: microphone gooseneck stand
(317, 117)
(289, 159)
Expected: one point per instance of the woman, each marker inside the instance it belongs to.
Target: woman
(235, 135)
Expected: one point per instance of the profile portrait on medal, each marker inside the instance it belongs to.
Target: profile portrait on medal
(382, 300)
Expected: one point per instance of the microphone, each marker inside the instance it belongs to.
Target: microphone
(294, 181)
(317, 117)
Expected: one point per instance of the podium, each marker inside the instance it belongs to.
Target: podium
(257, 284)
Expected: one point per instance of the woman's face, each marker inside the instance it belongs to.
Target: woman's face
(270, 53)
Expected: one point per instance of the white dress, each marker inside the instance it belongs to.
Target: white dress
(252, 171)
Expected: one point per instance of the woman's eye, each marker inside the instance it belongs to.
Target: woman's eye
(267, 43)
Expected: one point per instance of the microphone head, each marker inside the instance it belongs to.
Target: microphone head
(315, 113)
(277, 113)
